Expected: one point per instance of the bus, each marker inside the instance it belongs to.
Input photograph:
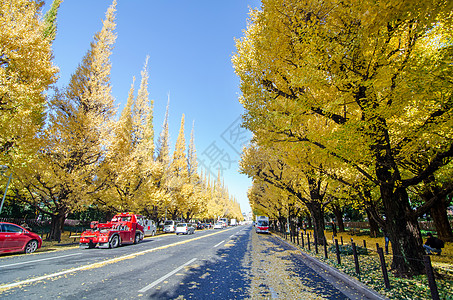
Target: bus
(262, 224)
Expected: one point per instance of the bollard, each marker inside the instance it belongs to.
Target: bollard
(341, 240)
(302, 238)
(325, 249)
(364, 244)
(338, 252)
(308, 241)
(431, 281)
(356, 258)
(380, 251)
(297, 235)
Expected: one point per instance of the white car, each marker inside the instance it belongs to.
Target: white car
(218, 226)
(184, 228)
(169, 226)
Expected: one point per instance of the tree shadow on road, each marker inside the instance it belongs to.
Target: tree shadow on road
(224, 277)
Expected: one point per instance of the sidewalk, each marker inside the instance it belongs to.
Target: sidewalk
(280, 271)
(351, 287)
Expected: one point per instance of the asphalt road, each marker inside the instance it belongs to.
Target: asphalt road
(232, 263)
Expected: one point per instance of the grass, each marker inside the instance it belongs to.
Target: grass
(371, 273)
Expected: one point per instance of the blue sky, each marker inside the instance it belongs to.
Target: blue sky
(190, 45)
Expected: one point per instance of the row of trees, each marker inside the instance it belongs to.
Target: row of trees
(350, 104)
(69, 152)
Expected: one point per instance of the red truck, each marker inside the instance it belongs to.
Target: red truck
(124, 228)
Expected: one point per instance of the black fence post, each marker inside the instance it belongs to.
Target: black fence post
(341, 240)
(325, 249)
(364, 244)
(356, 258)
(338, 252)
(297, 235)
(380, 251)
(302, 238)
(316, 242)
(431, 281)
(308, 241)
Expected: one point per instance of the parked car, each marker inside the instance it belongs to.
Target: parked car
(201, 226)
(149, 226)
(184, 228)
(15, 238)
(169, 226)
(218, 226)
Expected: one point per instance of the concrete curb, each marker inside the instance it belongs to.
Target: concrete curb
(337, 274)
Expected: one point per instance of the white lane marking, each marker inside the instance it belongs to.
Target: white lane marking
(36, 260)
(103, 263)
(219, 244)
(165, 276)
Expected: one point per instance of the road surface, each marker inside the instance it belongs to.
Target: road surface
(232, 263)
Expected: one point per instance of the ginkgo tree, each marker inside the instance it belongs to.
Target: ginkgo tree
(129, 167)
(378, 73)
(63, 174)
(26, 72)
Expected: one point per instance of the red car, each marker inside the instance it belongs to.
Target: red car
(14, 238)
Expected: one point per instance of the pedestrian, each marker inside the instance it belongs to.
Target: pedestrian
(387, 240)
(433, 244)
(334, 229)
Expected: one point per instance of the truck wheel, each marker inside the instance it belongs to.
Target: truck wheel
(137, 238)
(153, 233)
(91, 245)
(114, 242)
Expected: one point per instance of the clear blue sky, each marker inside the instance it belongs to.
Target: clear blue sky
(190, 44)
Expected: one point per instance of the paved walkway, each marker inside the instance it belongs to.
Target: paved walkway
(301, 276)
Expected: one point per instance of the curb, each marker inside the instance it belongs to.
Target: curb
(348, 280)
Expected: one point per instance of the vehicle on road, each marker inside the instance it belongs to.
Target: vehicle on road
(169, 226)
(149, 226)
(15, 238)
(224, 221)
(124, 228)
(218, 225)
(262, 224)
(184, 228)
(233, 222)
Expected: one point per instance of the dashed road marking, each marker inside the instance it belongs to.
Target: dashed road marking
(219, 244)
(166, 276)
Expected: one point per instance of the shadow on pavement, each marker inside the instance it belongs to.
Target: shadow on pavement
(224, 278)
(306, 275)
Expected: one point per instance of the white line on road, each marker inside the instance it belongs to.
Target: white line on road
(219, 244)
(36, 260)
(166, 276)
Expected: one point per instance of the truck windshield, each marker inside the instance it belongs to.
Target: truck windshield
(168, 223)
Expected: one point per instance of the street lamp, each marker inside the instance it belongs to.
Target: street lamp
(3, 170)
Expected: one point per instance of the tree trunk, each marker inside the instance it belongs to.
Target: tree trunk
(401, 223)
(438, 209)
(374, 226)
(317, 213)
(56, 226)
(440, 219)
(310, 222)
(338, 217)
(404, 233)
